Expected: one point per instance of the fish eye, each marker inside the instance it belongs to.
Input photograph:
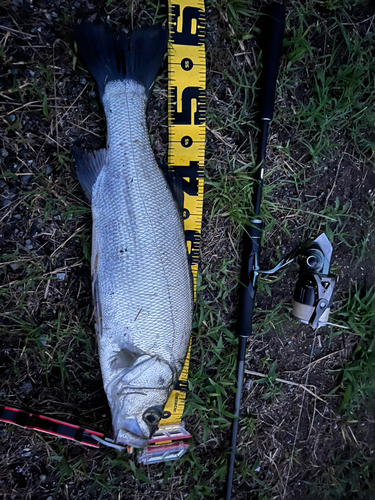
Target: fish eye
(153, 415)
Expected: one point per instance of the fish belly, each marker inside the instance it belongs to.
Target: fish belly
(139, 258)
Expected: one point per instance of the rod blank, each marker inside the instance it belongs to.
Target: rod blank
(273, 42)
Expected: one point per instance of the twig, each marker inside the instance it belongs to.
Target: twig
(359, 22)
(55, 271)
(240, 42)
(61, 269)
(15, 32)
(334, 182)
(73, 103)
(66, 241)
(283, 381)
(220, 137)
(47, 289)
(312, 421)
(281, 207)
(313, 363)
(49, 138)
(6, 97)
(83, 128)
(55, 95)
(29, 104)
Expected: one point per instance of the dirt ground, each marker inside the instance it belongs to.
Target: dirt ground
(289, 439)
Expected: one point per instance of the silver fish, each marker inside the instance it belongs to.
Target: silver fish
(142, 286)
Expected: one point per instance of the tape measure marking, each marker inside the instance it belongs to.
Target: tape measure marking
(187, 134)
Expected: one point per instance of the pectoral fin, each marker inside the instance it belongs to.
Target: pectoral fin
(125, 359)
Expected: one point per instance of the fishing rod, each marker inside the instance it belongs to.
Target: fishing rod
(274, 32)
(314, 290)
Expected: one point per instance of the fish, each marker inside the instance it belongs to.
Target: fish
(141, 278)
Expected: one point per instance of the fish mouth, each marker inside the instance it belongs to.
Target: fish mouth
(131, 434)
(125, 437)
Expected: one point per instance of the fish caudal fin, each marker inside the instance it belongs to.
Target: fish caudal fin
(147, 47)
(110, 57)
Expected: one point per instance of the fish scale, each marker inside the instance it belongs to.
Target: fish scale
(139, 251)
(139, 235)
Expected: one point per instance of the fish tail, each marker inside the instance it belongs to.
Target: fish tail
(111, 57)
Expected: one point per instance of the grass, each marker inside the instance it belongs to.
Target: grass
(336, 105)
(318, 176)
(347, 477)
(358, 374)
(234, 11)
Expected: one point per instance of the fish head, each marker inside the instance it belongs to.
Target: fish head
(137, 399)
(138, 418)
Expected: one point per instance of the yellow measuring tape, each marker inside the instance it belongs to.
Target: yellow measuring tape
(187, 131)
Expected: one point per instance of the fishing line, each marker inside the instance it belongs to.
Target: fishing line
(299, 416)
(108, 442)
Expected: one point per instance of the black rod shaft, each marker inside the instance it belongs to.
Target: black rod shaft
(237, 406)
(274, 27)
(261, 161)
